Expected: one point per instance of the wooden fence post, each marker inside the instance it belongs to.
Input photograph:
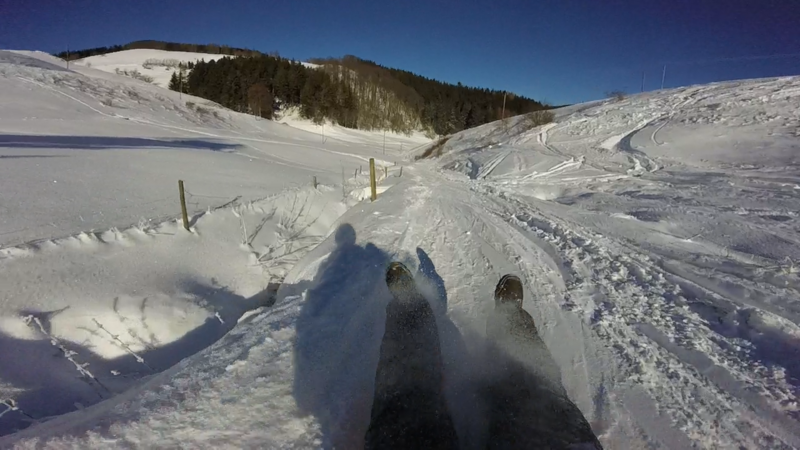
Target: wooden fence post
(315, 181)
(385, 172)
(183, 206)
(344, 184)
(372, 184)
(401, 171)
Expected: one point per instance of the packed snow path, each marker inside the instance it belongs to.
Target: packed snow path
(657, 238)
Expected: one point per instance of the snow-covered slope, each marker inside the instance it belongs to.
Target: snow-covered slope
(659, 257)
(158, 64)
(88, 150)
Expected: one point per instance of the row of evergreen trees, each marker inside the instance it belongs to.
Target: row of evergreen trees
(261, 84)
(349, 91)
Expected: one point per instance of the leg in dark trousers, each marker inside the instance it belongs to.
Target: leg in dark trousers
(528, 406)
(409, 409)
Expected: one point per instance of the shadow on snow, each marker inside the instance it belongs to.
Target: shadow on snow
(51, 386)
(339, 334)
(109, 143)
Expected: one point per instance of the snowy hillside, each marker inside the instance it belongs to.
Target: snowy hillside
(158, 137)
(657, 236)
(158, 64)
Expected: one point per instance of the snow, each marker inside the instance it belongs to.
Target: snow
(657, 237)
(163, 62)
(157, 64)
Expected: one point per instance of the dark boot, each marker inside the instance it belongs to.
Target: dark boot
(508, 291)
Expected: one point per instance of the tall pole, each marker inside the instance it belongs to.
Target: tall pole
(504, 106)
(68, 57)
(663, 76)
(384, 140)
(643, 74)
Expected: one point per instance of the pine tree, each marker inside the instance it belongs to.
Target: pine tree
(174, 82)
(281, 84)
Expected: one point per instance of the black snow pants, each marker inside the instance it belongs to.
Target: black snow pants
(527, 405)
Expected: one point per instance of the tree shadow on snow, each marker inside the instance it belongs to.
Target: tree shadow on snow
(50, 385)
(31, 156)
(109, 143)
(339, 333)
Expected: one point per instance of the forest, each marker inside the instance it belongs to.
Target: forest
(349, 91)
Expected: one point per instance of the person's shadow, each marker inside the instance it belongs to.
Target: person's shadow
(338, 340)
(339, 334)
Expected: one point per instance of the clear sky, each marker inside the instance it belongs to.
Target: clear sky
(560, 51)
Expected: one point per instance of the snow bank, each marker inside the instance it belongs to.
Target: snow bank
(134, 302)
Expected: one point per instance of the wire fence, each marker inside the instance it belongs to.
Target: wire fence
(165, 208)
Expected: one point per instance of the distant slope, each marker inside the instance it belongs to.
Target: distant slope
(159, 45)
(354, 93)
(157, 64)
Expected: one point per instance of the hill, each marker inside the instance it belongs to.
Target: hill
(349, 91)
(152, 66)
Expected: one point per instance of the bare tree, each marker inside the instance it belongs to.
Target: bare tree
(510, 96)
(616, 95)
(260, 100)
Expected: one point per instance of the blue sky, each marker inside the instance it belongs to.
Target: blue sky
(559, 51)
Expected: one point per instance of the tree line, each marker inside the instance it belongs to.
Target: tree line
(214, 49)
(350, 91)
(442, 107)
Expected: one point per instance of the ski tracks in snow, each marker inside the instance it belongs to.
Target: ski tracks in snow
(661, 347)
(638, 358)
